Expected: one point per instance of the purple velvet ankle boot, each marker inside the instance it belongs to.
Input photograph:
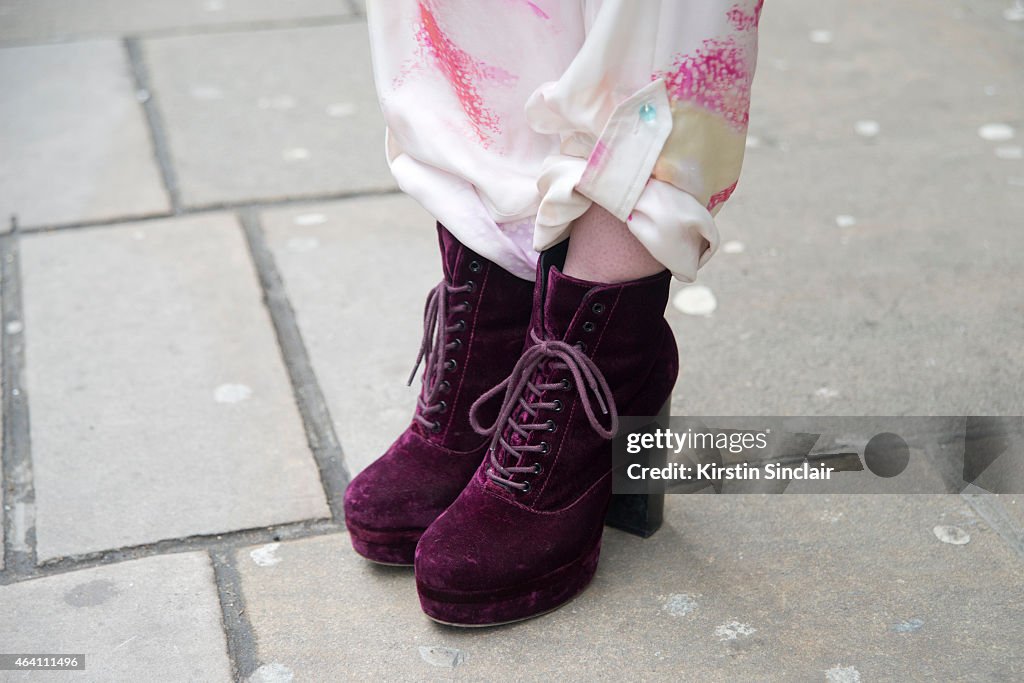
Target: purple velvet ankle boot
(474, 325)
(524, 536)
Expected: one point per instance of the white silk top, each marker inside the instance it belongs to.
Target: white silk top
(507, 119)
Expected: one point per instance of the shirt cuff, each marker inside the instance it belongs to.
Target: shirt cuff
(612, 170)
(624, 156)
(677, 230)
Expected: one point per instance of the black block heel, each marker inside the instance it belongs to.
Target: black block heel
(641, 514)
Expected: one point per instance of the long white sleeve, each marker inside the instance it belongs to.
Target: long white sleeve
(652, 118)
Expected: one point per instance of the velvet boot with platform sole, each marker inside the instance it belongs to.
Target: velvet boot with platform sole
(475, 321)
(524, 537)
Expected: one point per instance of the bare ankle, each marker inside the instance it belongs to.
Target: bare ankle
(602, 249)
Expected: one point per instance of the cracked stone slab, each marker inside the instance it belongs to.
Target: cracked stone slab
(159, 400)
(786, 587)
(23, 20)
(270, 114)
(75, 141)
(359, 270)
(156, 618)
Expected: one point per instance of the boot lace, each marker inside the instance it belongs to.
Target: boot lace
(519, 414)
(435, 345)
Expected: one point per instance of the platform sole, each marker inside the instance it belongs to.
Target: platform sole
(493, 608)
(397, 548)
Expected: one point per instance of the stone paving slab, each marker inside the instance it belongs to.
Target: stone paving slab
(154, 619)
(357, 273)
(878, 273)
(160, 405)
(732, 588)
(1014, 505)
(23, 20)
(3, 489)
(270, 114)
(74, 138)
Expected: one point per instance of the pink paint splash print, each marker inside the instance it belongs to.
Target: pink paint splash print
(596, 158)
(744, 21)
(537, 11)
(716, 76)
(597, 154)
(464, 73)
(721, 196)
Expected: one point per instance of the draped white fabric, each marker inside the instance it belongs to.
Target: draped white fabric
(507, 119)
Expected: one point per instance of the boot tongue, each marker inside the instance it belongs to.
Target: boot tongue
(450, 250)
(562, 298)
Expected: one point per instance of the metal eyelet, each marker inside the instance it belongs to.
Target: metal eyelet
(537, 469)
(597, 308)
(566, 385)
(471, 285)
(436, 427)
(551, 425)
(581, 346)
(589, 326)
(442, 406)
(526, 487)
(445, 386)
(544, 447)
(475, 266)
(461, 325)
(458, 344)
(558, 406)
(466, 306)
(450, 364)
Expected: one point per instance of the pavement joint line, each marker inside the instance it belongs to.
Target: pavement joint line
(357, 9)
(19, 495)
(992, 510)
(289, 531)
(238, 630)
(147, 97)
(255, 205)
(316, 417)
(196, 29)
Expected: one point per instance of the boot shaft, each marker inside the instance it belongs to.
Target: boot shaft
(486, 323)
(621, 328)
